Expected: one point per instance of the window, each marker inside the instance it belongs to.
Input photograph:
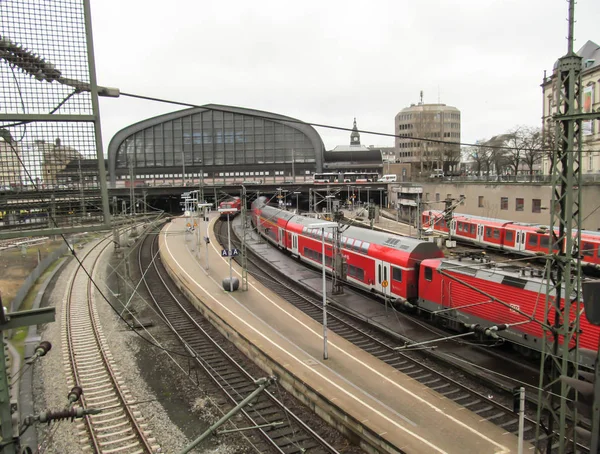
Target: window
(504, 203)
(545, 242)
(519, 205)
(462, 199)
(536, 205)
(533, 239)
(428, 273)
(480, 204)
(396, 274)
(497, 234)
(587, 249)
(473, 229)
(488, 232)
(509, 235)
(355, 272)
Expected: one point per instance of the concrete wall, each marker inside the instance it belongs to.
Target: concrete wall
(492, 193)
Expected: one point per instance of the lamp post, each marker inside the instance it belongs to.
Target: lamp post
(228, 212)
(323, 226)
(204, 207)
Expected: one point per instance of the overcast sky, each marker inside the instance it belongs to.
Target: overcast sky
(329, 61)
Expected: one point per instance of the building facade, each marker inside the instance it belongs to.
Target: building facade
(439, 123)
(590, 87)
(219, 144)
(353, 157)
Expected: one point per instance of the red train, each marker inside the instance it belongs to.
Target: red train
(466, 294)
(516, 237)
(235, 203)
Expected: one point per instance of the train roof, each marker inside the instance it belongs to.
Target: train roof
(514, 276)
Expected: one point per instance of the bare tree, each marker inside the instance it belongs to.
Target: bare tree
(481, 156)
(497, 155)
(515, 139)
(533, 144)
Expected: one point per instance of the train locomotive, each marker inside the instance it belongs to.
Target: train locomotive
(495, 301)
(516, 237)
(234, 204)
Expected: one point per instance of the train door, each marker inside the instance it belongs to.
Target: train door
(281, 237)
(453, 227)
(520, 240)
(480, 230)
(294, 244)
(382, 276)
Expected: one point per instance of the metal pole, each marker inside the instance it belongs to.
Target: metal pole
(229, 247)
(206, 240)
(324, 298)
(183, 167)
(262, 384)
(293, 169)
(521, 418)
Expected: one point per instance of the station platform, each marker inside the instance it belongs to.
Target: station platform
(391, 411)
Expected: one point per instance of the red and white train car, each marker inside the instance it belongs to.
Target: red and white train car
(468, 292)
(373, 259)
(235, 203)
(517, 237)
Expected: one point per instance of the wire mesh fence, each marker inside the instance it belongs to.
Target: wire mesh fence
(52, 177)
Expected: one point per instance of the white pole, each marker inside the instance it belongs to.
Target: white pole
(521, 418)
(229, 247)
(206, 244)
(324, 298)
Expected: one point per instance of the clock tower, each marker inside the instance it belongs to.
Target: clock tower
(354, 136)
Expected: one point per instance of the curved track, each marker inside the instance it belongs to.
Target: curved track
(280, 429)
(118, 429)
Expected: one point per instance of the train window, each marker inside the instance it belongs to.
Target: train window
(460, 226)
(497, 234)
(364, 247)
(472, 229)
(488, 232)
(545, 242)
(533, 239)
(355, 272)
(510, 235)
(397, 274)
(428, 273)
(357, 244)
(587, 249)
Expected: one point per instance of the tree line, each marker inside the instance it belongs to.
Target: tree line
(517, 152)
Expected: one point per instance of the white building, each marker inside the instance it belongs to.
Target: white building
(590, 85)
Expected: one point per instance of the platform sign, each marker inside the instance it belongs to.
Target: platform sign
(235, 252)
(230, 253)
(384, 284)
(224, 252)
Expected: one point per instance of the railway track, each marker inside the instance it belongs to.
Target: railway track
(279, 429)
(119, 428)
(381, 345)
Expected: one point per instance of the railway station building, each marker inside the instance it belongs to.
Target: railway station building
(220, 144)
